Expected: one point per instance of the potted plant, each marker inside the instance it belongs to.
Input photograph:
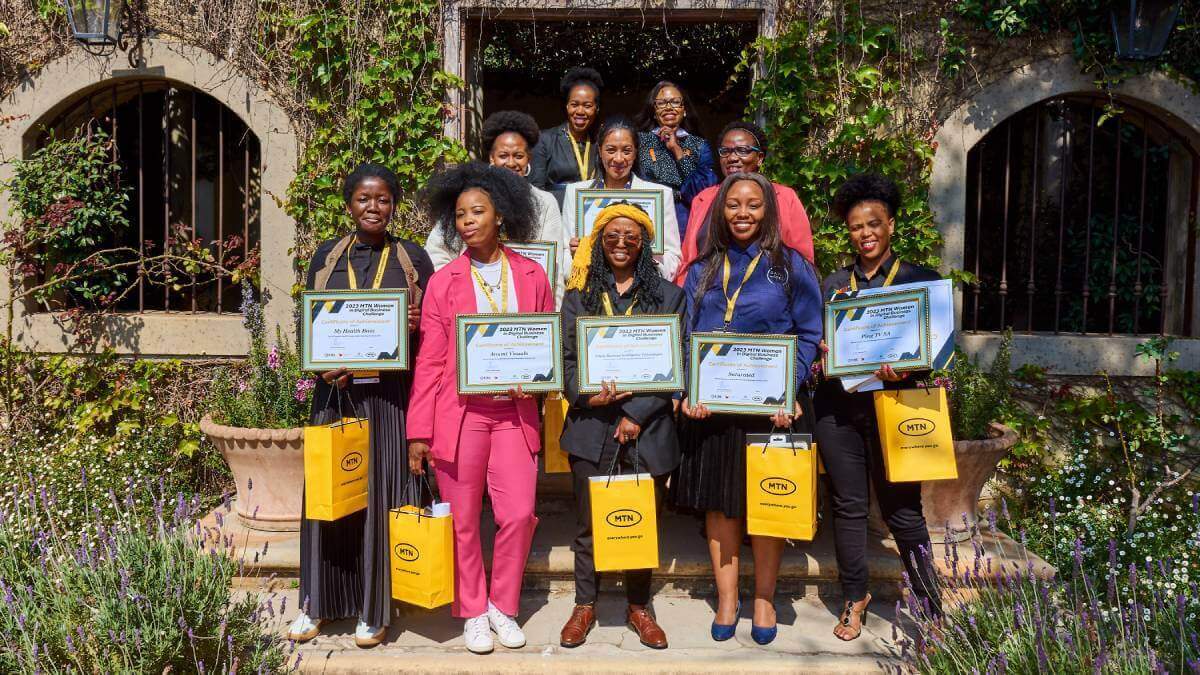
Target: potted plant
(256, 414)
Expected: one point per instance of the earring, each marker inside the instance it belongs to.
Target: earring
(528, 169)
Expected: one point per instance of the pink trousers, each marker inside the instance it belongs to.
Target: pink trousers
(491, 452)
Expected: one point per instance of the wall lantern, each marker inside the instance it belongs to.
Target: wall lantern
(95, 23)
(1141, 27)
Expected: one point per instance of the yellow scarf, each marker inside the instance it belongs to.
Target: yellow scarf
(583, 254)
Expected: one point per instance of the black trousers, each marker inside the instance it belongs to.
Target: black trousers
(848, 440)
(587, 580)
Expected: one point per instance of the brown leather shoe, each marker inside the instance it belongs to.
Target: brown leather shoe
(575, 631)
(642, 622)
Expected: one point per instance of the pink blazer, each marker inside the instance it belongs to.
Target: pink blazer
(793, 225)
(435, 408)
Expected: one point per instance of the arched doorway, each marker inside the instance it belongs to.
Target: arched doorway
(192, 169)
(1078, 222)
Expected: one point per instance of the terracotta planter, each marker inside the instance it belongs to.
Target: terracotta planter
(945, 501)
(268, 471)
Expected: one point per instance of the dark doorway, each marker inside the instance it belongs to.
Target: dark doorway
(516, 64)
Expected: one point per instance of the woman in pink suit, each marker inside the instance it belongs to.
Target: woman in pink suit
(480, 441)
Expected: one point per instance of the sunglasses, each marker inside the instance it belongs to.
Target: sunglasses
(741, 150)
(613, 239)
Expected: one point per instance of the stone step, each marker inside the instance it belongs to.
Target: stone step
(807, 569)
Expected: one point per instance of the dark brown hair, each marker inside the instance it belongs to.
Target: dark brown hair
(719, 238)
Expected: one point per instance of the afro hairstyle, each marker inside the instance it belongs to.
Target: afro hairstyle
(505, 121)
(581, 75)
(867, 187)
(511, 196)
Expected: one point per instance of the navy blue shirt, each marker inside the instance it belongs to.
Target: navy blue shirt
(773, 301)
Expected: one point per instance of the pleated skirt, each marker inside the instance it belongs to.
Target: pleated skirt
(345, 564)
(712, 467)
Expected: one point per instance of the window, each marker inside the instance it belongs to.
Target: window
(193, 171)
(1078, 222)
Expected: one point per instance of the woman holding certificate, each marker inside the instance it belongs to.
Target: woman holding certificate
(480, 441)
(614, 275)
(344, 563)
(846, 431)
(509, 139)
(617, 157)
(745, 281)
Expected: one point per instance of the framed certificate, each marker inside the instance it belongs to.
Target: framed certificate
(753, 374)
(865, 332)
(639, 353)
(359, 330)
(497, 352)
(589, 203)
(544, 253)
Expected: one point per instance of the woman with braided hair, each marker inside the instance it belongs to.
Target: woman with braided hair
(616, 277)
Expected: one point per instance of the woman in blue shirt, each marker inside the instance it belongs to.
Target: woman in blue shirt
(778, 295)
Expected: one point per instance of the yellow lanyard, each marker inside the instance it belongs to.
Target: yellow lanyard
(731, 300)
(886, 282)
(378, 273)
(608, 308)
(580, 161)
(487, 293)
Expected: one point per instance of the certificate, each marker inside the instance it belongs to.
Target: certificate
(866, 332)
(359, 330)
(497, 352)
(639, 353)
(941, 328)
(544, 253)
(589, 203)
(754, 374)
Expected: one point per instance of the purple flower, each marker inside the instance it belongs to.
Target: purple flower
(304, 387)
(273, 358)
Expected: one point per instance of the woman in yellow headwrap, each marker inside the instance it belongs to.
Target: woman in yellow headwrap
(614, 274)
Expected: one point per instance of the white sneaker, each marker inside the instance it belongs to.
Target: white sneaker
(477, 636)
(304, 628)
(366, 635)
(508, 631)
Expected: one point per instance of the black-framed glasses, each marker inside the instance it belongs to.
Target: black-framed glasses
(612, 239)
(665, 103)
(741, 150)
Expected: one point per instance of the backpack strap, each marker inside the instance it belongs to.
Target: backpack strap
(410, 273)
(339, 249)
(323, 274)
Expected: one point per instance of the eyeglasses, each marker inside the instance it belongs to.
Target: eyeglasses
(613, 239)
(665, 103)
(741, 150)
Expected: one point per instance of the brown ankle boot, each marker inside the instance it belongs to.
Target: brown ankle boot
(575, 631)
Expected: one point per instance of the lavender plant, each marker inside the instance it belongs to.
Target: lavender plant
(136, 597)
(269, 390)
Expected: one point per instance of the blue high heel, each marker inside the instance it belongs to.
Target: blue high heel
(763, 636)
(722, 632)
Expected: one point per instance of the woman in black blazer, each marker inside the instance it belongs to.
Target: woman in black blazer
(616, 277)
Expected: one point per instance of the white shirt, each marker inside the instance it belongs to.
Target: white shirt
(550, 228)
(491, 273)
(668, 262)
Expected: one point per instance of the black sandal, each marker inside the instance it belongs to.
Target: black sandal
(847, 614)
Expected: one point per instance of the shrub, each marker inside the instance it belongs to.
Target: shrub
(139, 597)
(979, 397)
(269, 390)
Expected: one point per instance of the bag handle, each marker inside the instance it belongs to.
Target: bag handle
(612, 467)
(353, 406)
(790, 430)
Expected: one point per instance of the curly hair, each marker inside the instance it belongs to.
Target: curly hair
(369, 170)
(510, 194)
(867, 187)
(760, 136)
(645, 274)
(581, 75)
(646, 120)
(505, 121)
(719, 238)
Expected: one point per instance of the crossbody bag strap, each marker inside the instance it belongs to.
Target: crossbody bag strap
(323, 274)
(410, 273)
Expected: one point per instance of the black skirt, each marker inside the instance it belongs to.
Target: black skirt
(712, 469)
(344, 564)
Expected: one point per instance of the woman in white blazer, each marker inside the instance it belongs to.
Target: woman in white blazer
(508, 139)
(618, 151)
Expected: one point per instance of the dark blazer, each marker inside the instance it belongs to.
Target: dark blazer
(553, 165)
(589, 430)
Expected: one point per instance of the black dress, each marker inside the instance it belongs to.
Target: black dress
(344, 564)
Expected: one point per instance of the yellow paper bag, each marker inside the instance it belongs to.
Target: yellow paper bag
(335, 468)
(624, 522)
(422, 557)
(914, 432)
(781, 486)
(552, 428)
